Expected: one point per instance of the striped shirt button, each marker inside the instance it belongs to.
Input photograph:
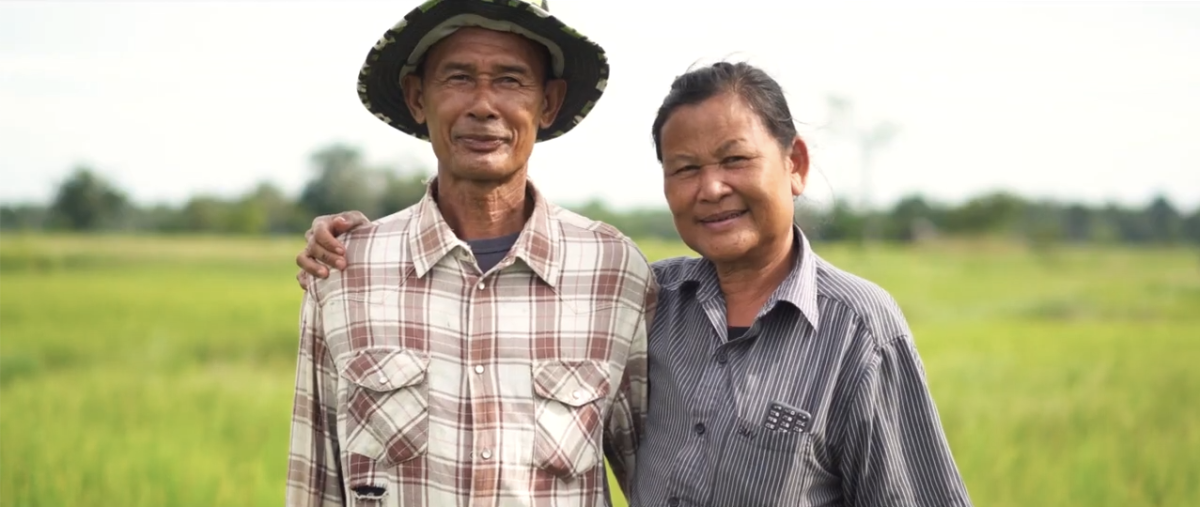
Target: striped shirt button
(673, 501)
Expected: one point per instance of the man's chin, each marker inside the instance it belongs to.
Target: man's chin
(484, 170)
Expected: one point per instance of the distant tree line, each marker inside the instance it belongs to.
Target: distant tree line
(86, 202)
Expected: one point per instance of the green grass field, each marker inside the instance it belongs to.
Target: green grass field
(153, 372)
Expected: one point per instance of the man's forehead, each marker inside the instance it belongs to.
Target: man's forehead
(466, 45)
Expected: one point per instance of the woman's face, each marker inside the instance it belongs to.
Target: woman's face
(728, 182)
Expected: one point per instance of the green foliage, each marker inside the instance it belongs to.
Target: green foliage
(344, 181)
(148, 371)
(88, 202)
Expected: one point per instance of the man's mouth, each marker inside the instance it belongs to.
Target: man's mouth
(481, 142)
(724, 216)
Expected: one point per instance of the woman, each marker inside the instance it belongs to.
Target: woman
(776, 378)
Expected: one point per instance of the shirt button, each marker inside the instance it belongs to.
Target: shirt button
(486, 453)
(744, 431)
(382, 379)
(479, 368)
(673, 501)
(699, 428)
(480, 286)
(578, 394)
(722, 357)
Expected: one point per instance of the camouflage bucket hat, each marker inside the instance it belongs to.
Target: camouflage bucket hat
(582, 63)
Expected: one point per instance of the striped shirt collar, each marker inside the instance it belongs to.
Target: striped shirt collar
(539, 244)
(799, 289)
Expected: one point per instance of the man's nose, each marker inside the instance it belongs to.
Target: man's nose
(483, 105)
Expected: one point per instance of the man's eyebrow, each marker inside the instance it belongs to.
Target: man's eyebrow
(513, 69)
(456, 66)
(499, 68)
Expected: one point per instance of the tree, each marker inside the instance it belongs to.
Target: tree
(868, 140)
(343, 183)
(996, 212)
(88, 202)
(266, 210)
(22, 217)
(841, 223)
(204, 213)
(1077, 223)
(1164, 221)
(911, 217)
(1191, 227)
(401, 191)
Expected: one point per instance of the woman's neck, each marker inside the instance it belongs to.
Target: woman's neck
(747, 285)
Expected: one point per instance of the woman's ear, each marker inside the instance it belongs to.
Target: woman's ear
(798, 162)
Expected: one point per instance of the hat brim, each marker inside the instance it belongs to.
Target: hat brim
(579, 61)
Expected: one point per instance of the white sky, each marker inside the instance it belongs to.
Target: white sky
(1088, 101)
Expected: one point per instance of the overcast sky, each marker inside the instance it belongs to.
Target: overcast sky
(1090, 101)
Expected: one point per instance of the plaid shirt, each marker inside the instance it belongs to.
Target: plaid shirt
(421, 382)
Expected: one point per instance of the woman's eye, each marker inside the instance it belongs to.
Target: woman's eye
(737, 159)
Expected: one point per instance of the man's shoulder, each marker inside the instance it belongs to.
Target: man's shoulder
(382, 241)
(587, 237)
(364, 242)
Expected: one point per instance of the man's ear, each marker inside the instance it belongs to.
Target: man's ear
(411, 86)
(552, 101)
(798, 159)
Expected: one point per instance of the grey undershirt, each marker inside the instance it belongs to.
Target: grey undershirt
(490, 251)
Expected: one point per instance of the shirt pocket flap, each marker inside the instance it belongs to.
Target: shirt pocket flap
(574, 383)
(386, 369)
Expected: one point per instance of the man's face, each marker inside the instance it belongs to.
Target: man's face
(483, 95)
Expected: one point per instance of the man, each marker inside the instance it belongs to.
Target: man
(484, 346)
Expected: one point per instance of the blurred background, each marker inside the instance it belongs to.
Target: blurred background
(1023, 177)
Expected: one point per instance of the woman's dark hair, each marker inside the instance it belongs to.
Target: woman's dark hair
(761, 92)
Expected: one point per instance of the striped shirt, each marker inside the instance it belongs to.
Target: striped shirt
(821, 402)
(423, 382)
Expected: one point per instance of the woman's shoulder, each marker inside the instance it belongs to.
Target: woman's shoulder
(672, 270)
(863, 299)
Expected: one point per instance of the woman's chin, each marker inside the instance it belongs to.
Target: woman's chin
(723, 247)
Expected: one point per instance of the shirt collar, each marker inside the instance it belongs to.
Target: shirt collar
(539, 245)
(798, 289)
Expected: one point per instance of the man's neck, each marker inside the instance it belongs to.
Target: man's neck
(480, 210)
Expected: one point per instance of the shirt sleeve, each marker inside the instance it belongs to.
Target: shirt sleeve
(314, 469)
(627, 420)
(894, 449)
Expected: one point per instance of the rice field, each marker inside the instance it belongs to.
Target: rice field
(151, 371)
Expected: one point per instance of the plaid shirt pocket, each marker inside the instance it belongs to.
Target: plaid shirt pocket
(569, 405)
(387, 404)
